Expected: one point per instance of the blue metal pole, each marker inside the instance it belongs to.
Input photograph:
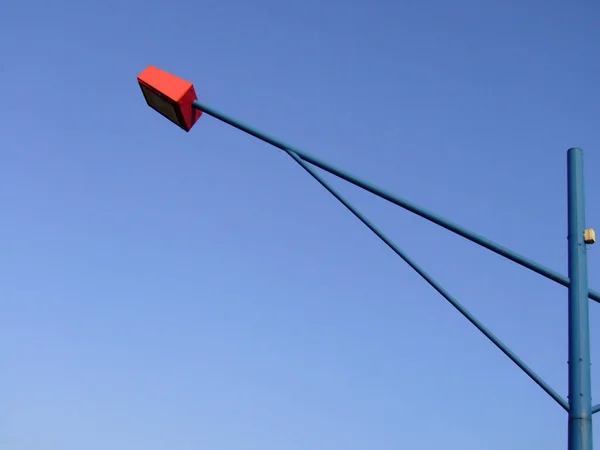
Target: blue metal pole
(580, 398)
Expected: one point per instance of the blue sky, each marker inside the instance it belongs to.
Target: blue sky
(171, 291)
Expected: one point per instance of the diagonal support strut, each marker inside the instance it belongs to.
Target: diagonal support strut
(433, 283)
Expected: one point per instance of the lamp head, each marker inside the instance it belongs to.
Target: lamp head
(170, 96)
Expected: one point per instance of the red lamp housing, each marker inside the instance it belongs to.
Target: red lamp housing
(170, 96)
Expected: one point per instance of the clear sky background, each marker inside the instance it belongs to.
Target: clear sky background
(171, 291)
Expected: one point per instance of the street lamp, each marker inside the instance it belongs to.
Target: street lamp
(170, 96)
(176, 99)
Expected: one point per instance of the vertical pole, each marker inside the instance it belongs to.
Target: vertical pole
(580, 401)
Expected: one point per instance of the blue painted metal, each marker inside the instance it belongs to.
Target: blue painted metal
(433, 283)
(579, 405)
(580, 396)
(403, 203)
